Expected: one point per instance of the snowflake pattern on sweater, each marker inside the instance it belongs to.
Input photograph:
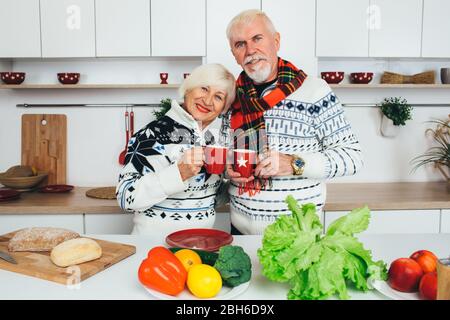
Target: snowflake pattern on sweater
(150, 184)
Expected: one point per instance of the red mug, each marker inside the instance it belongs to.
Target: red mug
(244, 162)
(215, 159)
(185, 75)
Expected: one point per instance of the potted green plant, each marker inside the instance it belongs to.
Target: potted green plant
(439, 155)
(395, 112)
(165, 105)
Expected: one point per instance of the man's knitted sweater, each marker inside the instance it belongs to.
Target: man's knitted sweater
(309, 123)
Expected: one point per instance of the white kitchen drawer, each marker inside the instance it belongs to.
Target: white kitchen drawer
(68, 28)
(445, 221)
(122, 28)
(342, 28)
(119, 223)
(19, 29)
(14, 222)
(396, 221)
(178, 27)
(399, 32)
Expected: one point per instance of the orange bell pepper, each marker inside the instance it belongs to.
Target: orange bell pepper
(162, 271)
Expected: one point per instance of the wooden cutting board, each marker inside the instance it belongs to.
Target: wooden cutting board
(44, 144)
(39, 265)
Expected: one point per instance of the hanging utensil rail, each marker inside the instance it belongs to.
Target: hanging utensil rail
(93, 105)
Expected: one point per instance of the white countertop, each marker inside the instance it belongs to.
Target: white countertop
(120, 280)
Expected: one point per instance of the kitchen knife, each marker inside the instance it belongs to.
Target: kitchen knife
(7, 257)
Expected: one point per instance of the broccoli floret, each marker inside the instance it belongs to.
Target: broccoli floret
(234, 265)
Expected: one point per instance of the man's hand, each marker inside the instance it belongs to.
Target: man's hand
(274, 163)
(191, 162)
(236, 176)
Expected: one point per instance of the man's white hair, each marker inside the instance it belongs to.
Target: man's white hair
(213, 75)
(245, 18)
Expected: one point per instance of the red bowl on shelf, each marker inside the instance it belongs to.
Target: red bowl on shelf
(332, 76)
(12, 77)
(361, 77)
(69, 77)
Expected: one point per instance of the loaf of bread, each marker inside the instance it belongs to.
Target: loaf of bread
(39, 239)
(75, 251)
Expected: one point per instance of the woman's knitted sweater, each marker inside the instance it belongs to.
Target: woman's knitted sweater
(309, 123)
(150, 183)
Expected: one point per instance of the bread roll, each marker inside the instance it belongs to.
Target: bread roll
(75, 251)
(39, 239)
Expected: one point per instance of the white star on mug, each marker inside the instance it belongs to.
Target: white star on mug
(242, 162)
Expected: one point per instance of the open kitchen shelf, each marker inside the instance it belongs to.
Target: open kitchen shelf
(390, 86)
(89, 86)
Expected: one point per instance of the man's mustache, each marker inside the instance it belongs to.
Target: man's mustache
(250, 59)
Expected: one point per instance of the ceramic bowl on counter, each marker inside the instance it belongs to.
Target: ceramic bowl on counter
(68, 77)
(332, 76)
(12, 77)
(361, 77)
(22, 182)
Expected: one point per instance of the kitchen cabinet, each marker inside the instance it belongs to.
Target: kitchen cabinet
(68, 28)
(108, 223)
(9, 223)
(19, 29)
(399, 29)
(341, 28)
(436, 29)
(219, 14)
(122, 28)
(445, 221)
(297, 44)
(395, 221)
(178, 27)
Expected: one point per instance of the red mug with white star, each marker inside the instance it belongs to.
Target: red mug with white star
(215, 159)
(244, 162)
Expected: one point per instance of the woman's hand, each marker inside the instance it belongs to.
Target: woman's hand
(191, 162)
(274, 163)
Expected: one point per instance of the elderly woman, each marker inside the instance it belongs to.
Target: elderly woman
(164, 181)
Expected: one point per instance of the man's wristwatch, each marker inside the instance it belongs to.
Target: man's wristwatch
(298, 164)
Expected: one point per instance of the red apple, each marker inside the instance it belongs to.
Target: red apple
(404, 275)
(428, 286)
(426, 259)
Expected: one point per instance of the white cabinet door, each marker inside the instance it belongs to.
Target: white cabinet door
(68, 28)
(399, 29)
(341, 28)
(436, 29)
(397, 221)
(178, 27)
(19, 29)
(297, 44)
(9, 223)
(119, 223)
(445, 221)
(122, 28)
(219, 14)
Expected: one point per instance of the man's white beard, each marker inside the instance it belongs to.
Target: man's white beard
(260, 75)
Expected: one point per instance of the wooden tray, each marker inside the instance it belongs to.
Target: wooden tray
(39, 265)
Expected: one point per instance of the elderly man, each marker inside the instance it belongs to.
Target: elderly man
(294, 121)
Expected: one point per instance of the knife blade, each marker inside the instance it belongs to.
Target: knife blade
(7, 257)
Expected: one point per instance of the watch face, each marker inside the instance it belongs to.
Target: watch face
(299, 163)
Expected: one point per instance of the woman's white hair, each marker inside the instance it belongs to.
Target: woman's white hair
(245, 18)
(213, 75)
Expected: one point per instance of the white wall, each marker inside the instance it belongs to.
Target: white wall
(96, 135)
